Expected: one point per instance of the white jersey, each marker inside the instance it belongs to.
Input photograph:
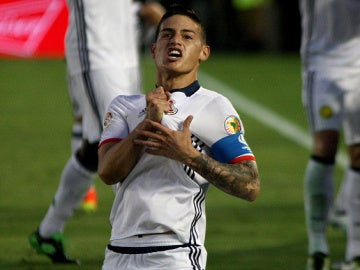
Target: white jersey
(101, 35)
(331, 36)
(161, 194)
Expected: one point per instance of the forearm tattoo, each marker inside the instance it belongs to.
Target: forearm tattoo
(240, 179)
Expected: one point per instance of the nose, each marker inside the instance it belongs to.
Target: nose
(175, 39)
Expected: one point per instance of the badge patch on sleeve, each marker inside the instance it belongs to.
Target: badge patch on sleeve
(107, 119)
(232, 124)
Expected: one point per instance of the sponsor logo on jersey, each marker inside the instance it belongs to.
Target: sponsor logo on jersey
(232, 124)
(326, 111)
(107, 119)
(143, 111)
(172, 108)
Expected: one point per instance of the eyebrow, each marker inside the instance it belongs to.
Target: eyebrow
(173, 30)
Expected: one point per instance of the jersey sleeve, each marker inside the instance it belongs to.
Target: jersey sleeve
(115, 127)
(222, 130)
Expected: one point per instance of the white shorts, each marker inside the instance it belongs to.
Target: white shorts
(183, 258)
(333, 104)
(91, 93)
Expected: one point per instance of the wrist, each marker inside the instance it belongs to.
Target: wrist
(192, 160)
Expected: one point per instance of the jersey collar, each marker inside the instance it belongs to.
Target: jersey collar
(188, 90)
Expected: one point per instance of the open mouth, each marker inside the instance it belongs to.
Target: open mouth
(174, 54)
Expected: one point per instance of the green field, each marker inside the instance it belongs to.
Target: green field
(35, 144)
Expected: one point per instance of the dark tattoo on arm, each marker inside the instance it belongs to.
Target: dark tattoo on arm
(240, 179)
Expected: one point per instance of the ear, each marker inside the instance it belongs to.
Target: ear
(205, 53)
(152, 49)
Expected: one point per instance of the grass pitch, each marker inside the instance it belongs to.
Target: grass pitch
(35, 134)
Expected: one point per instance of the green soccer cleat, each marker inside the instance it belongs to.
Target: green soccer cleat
(52, 247)
(318, 261)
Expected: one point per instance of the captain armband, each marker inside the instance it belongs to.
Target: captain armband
(232, 149)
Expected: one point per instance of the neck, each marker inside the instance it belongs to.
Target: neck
(176, 82)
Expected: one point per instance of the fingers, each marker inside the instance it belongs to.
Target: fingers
(155, 127)
(151, 140)
(148, 143)
(168, 95)
(163, 141)
(151, 135)
(163, 129)
(158, 92)
(157, 103)
(187, 122)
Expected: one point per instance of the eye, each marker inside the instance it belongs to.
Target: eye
(166, 34)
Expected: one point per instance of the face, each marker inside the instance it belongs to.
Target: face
(178, 48)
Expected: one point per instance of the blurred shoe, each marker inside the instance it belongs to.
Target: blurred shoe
(353, 265)
(52, 247)
(337, 265)
(318, 261)
(90, 201)
(339, 219)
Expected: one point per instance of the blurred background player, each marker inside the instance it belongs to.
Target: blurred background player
(149, 14)
(330, 51)
(102, 62)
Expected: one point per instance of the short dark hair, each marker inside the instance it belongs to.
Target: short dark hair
(177, 9)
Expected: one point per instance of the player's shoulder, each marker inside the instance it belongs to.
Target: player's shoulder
(128, 99)
(208, 92)
(127, 102)
(211, 95)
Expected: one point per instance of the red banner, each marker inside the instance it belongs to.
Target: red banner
(33, 28)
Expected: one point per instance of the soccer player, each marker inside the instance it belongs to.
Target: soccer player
(330, 53)
(162, 150)
(102, 62)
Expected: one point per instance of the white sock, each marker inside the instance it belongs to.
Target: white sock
(76, 136)
(318, 195)
(74, 183)
(340, 204)
(353, 233)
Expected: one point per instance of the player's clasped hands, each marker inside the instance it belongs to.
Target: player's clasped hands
(163, 141)
(157, 103)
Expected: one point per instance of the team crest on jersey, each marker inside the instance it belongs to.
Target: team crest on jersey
(232, 124)
(172, 108)
(107, 119)
(326, 111)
